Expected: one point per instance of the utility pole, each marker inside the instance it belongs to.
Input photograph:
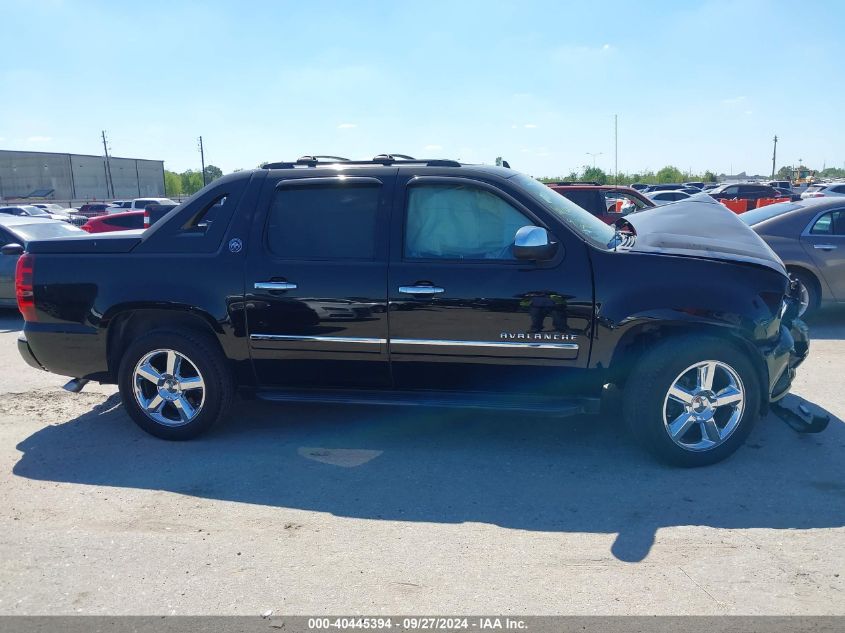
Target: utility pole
(202, 158)
(774, 155)
(616, 149)
(109, 182)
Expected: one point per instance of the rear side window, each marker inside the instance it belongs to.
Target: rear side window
(589, 199)
(132, 221)
(830, 224)
(324, 222)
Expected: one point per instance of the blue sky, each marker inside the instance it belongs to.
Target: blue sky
(700, 85)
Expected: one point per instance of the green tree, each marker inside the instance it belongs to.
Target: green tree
(191, 181)
(595, 174)
(784, 173)
(709, 176)
(172, 183)
(670, 173)
(212, 173)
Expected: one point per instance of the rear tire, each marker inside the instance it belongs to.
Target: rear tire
(809, 288)
(680, 417)
(175, 384)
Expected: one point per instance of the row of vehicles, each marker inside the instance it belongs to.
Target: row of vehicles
(466, 286)
(97, 217)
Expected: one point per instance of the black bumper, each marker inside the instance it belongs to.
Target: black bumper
(790, 350)
(26, 352)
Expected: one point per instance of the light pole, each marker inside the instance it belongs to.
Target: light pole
(594, 154)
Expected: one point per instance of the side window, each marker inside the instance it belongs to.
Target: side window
(731, 191)
(460, 222)
(823, 226)
(324, 222)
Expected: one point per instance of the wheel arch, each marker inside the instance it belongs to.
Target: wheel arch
(821, 286)
(635, 342)
(129, 323)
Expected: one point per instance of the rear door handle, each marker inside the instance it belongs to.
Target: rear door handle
(421, 290)
(274, 285)
(825, 247)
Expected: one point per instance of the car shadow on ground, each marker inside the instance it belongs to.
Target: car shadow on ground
(828, 323)
(452, 466)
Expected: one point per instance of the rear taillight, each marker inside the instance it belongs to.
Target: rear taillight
(24, 290)
(86, 228)
(146, 219)
(817, 195)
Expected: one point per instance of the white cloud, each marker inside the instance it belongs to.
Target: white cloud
(529, 126)
(39, 139)
(606, 47)
(2, 138)
(733, 100)
(347, 126)
(433, 147)
(749, 112)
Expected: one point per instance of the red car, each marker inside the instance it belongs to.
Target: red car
(606, 202)
(115, 222)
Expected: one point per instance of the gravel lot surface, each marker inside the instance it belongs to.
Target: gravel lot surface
(317, 510)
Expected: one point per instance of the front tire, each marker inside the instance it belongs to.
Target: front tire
(175, 384)
(692, 401)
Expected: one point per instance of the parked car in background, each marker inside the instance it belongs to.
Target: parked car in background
(115, 222)
(639, 186)
(780, 184)
(710, 185)
(606, 202)
(824, 190)
(138, 204)
(67, 214)
(665, 197)
(809, 236)
(697, 184)
(93, 209)
(33, 211)
(20, 229)
(673, 186)
(744, 191)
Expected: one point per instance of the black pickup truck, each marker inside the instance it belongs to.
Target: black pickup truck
(423, 282)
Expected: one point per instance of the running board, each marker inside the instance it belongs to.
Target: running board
(562, 407)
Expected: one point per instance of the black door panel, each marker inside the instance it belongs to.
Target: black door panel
(498, 324)
(316, 295)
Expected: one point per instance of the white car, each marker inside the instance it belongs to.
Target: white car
(825, 190)
(665, 197)
(138, 204)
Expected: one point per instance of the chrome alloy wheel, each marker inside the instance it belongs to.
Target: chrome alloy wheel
(168, 387)
(704, 405)
(803, 298)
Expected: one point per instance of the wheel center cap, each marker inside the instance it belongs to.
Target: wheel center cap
(169, 388)
(701, 404)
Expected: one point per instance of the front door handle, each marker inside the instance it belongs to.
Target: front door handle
(421, 290)
(825, 247)
(274, 285)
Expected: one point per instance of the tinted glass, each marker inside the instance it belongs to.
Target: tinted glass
(127, 221)
(589, 199)
(32, 210)
(460, 222)
(824, 225)
(324, 222)
(755, 216)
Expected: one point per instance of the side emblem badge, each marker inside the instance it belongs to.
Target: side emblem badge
(235, 245)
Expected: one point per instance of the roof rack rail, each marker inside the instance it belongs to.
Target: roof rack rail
(381, 159)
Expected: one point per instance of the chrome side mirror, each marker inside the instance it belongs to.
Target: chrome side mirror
(532, 242)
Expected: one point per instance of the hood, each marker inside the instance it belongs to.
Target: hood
(699, 227)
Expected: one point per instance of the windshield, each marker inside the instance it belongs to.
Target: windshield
(31, 210)
(44, 230)
(584, 223)
(755, 216)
